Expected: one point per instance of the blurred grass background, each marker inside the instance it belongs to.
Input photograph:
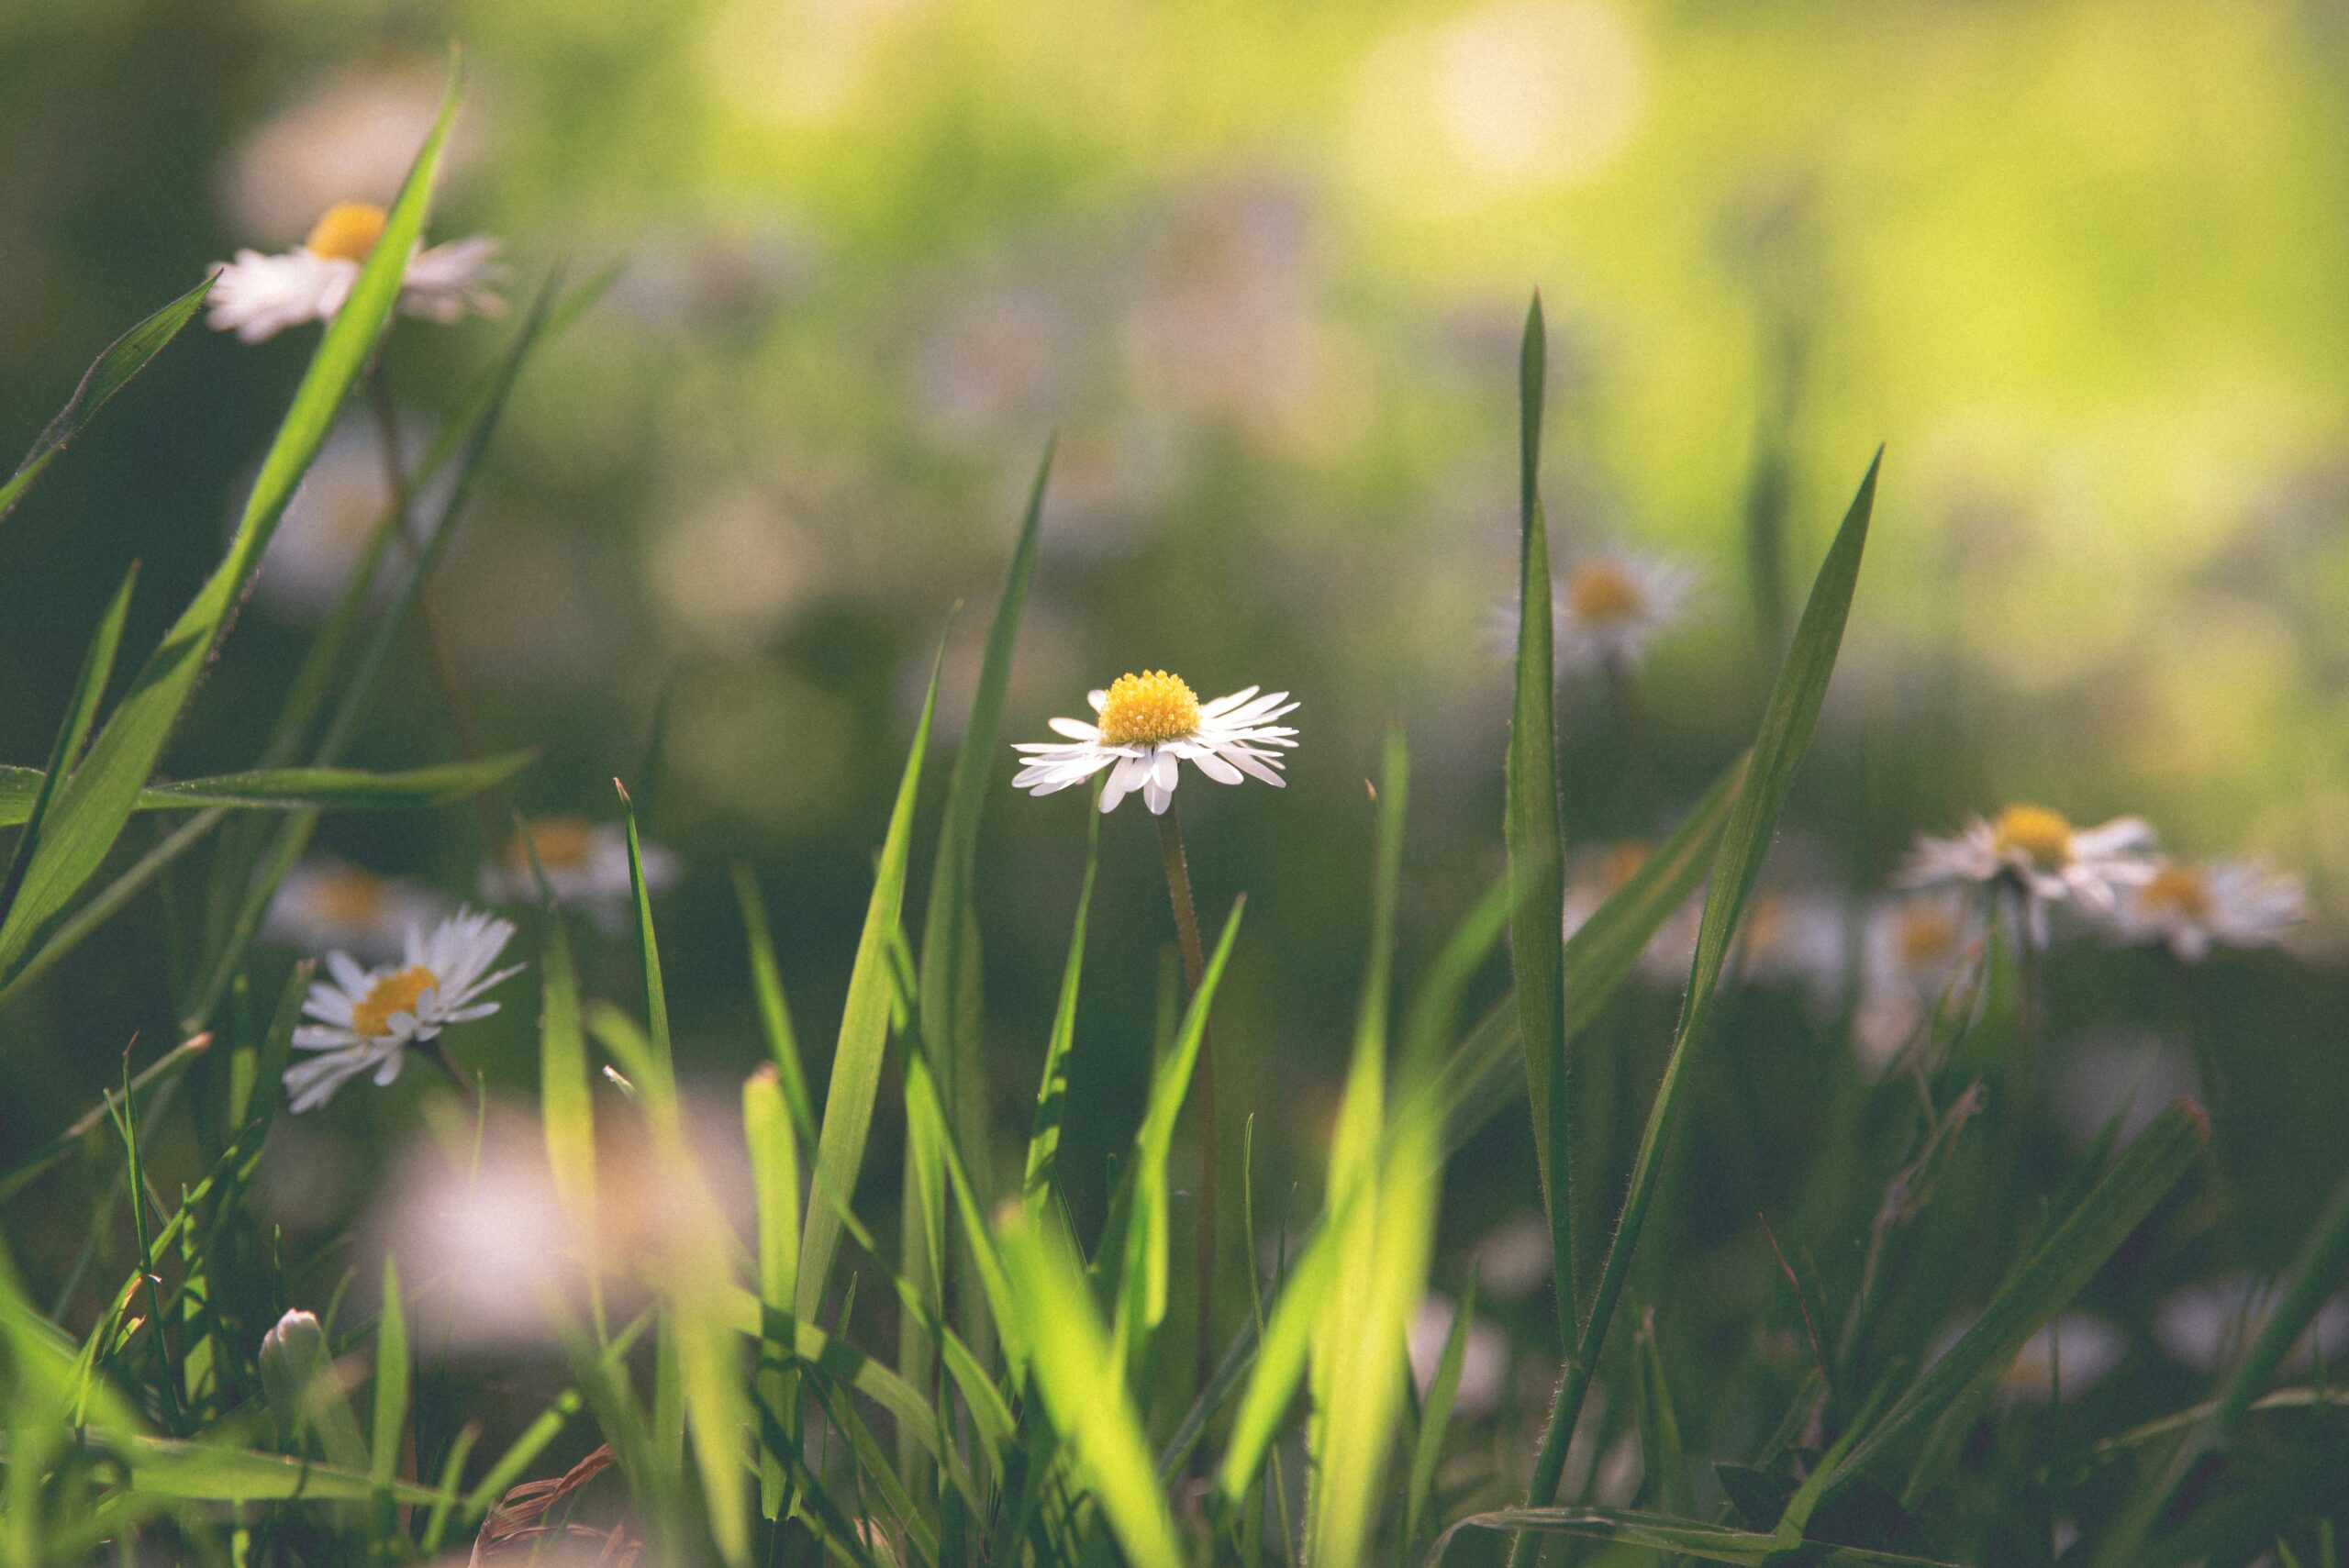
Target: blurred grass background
(1261, 265)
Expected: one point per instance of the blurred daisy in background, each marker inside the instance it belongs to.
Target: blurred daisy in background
(2071, 1355)
(1514, 1259)
(1594, 873)
(1149, 722)
(2114, 1070)
(366, 1018)
(2209, 1325)
(2038, 850)
(1611, 605)
(332, 518)
(326, 903)
(1913, 949)
(1483, 1357)
(259, 296)
(1799, 937)
(2193, 906)
(352, 132)
(586, 867)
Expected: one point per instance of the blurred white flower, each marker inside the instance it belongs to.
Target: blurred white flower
(1916, 946)
(2209, 1325)
(1799, 937)
(2040, 851)
(368, 1018)
(1513, 1259)
(995, 363)
(332, 518)
(1610, 607)
(1593, 875)
(1484, 1359)
(257, 296)
(326, 903)
(351, 133)
(586, 867)
(1147, 723)
(2194, 906)
(2071, 1355)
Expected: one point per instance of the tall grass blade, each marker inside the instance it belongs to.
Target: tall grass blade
(81, 713)
(1052, 1090)
(864, 1028)
(289, 789)
(1536, 841)
(775, 1011)
(774, 1186)
(1786, 729)
(388, 1420)
(112, 371)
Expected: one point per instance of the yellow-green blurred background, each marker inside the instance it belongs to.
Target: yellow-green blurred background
(2079, 265)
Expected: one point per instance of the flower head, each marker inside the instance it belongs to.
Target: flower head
(368, 1018)
(1610, 606)
(586, 867)
(2193, 906)
(328, 902)
(1147, 723)
(2038, 850)
(257, 296)
(1914, 948)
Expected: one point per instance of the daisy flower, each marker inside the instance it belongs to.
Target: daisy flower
(1147, 723)
(1610, 605)
(328, 904)
(366, 1018)
(257, 297)
(586, 867)
(2194, 906)
(2040, 851)
(1799, 937)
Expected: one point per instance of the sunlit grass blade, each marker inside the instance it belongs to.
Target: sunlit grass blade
(1536, 841)
(1083, 1384)
(865, 1029)
(81, 713)
(2062, 1263)
(1142, 1271)
(1786, 729)
(775, 1011)
(124, 358)
(566, 1104)
(388, 1418)
(94, 804)
(774, 1186)
(1052, 1090)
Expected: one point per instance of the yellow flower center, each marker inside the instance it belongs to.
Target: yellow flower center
(1148, 708)
(347, 233)
(1602, 590)
(1925, 936)
(351, 896)
(2042, 834)
(561, 843)
(2178, 890)
(395, 993)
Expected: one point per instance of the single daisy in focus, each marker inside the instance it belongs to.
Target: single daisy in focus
(1914, 948)
(586, 867)
(2194, 906)
(1147, 723)
(366, 1018)
(257, 297)
(1610, 605)
(2039, 852)
(330, 904)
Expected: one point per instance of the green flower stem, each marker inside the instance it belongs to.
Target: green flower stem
(1186, 929)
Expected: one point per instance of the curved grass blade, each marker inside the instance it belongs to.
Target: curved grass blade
(1657, 1532)
(1435, 1419)
(865, 1029)
(1083, 1384)
(290, 789)
(81, 713)
(94, 804)
(1536, 841)
(112, 371)
(1052, 1090)
(1786, 726)
(389, 1417)
(775, 1011)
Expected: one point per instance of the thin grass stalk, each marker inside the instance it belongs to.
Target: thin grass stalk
(1187, 929)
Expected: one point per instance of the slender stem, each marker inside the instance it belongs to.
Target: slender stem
(1194, 962)
(1639, 776)
(437, 1049)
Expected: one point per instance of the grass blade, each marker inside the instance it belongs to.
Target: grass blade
(864, 1028)
(390, 1415)
(81, 713)
(1435, 1419)
(774, 1012)
(775, 1183)
(1656, 1532)
(1787, 725)
(289, 789)
(1537, 864)
(1052, 1090)
(124, 358)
